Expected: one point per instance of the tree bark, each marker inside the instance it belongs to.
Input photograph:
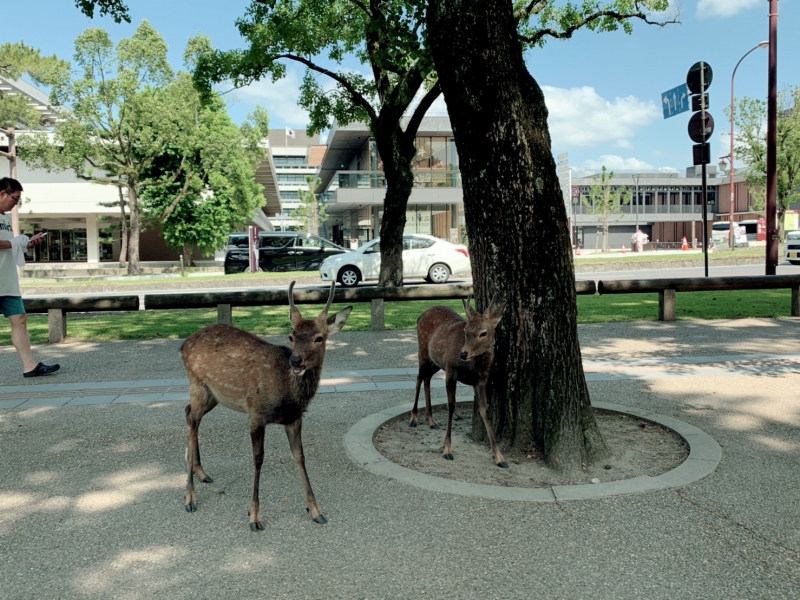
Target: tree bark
(396, 150)
(517, 229)
(123, 225)
(133, 234)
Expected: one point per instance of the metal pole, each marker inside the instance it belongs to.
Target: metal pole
(731, 235)
(772, 142)
(704, 194)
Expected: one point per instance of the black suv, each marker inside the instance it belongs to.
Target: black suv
(279, 251)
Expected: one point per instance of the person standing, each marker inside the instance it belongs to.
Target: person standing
(12, 255)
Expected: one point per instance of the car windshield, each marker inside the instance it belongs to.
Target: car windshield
(371, 246)
(793, 235)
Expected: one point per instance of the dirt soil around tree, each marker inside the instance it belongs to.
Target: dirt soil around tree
(639, 447)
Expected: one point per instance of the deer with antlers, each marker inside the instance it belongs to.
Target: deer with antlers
(269, 383)
(465, 351)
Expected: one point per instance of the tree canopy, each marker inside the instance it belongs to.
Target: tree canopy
(18, 61)
(605, 202)
(133, 123)
(751, 147)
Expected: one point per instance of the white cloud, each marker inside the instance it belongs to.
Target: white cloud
(580, 117)
(279, 98)
(612, 162)
(725, 8)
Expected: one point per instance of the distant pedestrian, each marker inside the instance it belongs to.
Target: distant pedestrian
(12, 255)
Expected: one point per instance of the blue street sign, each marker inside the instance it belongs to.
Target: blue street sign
(676, 101)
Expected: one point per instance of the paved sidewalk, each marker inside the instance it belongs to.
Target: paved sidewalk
(92, 473)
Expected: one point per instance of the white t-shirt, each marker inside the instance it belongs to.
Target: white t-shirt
(9, 280)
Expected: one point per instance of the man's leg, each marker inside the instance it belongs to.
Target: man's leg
(22, 341)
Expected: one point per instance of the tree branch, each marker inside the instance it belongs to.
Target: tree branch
(422, 108)
(355, 95)
(603, 14)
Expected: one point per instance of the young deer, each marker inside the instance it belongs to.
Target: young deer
(465, 350)
(271, 384)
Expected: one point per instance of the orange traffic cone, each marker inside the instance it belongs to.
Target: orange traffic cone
(623, 248)
(685, 244)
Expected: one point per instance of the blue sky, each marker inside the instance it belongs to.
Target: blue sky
(603, 90)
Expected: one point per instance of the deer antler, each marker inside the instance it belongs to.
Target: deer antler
(292, 307)
(330, 298)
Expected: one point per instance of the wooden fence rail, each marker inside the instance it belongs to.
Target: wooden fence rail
(666, 288)
(57, 308)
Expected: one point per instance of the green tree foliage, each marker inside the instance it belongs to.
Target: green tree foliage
(125, 109)
(311, 211)
(19, 61)
(605, 202)
(116, 9)
(751, 148)
(216, 192)
(384, 35)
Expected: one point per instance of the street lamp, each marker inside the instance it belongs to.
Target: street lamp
(731, 234)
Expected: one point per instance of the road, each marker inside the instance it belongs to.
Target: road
(661, 273)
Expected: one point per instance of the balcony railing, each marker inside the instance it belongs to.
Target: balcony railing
(376, 179)
(648, 209)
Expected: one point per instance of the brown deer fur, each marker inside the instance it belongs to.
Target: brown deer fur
(271, 384)
(465, 351)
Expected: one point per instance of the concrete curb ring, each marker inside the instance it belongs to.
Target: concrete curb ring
(704, 456)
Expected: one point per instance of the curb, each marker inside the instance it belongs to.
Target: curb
(704, 457)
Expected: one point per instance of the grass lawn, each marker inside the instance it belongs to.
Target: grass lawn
(272, 320)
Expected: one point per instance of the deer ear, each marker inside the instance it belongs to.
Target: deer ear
(295, 317)
(496, 309)
(337, 321)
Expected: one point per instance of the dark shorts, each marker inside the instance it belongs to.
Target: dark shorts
(11, 305)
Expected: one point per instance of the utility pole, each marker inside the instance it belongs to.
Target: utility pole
(772, 143)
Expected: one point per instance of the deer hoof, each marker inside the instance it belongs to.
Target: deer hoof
(191, 507)
(412, 424)
(257, 526)
(435, 426)
(320, 519)
(503, 465)
(207, 479)
(447, 456)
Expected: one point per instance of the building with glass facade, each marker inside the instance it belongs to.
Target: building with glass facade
(354, 186)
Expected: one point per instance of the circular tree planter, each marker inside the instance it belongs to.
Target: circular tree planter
(704, 456)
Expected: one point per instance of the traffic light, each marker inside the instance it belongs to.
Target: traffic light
(701, 124)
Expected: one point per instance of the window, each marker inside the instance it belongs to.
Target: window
(308, 242)
(289, 161)
(275, 241)
(292, 178)
(238, 241)
(290, 195)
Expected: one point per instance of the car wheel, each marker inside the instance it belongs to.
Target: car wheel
(794, 262)
(349, 276)
(438, 273)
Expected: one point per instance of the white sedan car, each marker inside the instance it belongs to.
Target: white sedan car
(423, 256)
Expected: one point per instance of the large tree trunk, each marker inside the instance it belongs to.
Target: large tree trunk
(396, 150)
(133, 237)
(517, 230)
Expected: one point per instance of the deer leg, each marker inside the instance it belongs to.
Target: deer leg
(201, 402)
(413, 421)
(450, 384)
(257, 437)
(480, 398)
(293, 433)
(426, 371)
